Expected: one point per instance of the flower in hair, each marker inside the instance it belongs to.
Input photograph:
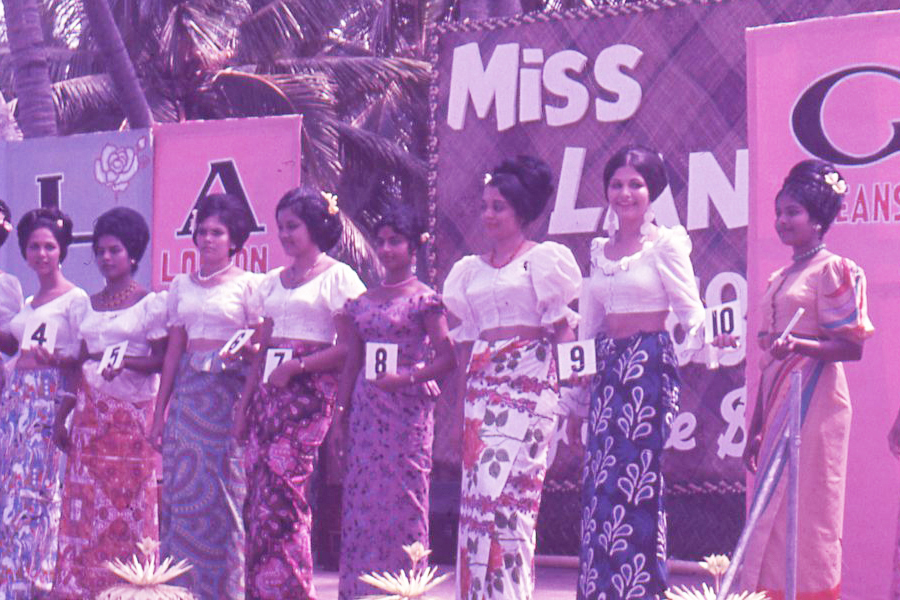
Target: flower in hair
(331, 199)
(487, 178)
(424, 237)
(837, 184)
(59, 223)
(5, 224)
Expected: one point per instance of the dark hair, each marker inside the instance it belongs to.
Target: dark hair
(405, 223)
(5, 217)
(643, 160)
(53, 219)
(233, 213)
(526, 183)
(311, 207)
(806, 184)
(126, 225)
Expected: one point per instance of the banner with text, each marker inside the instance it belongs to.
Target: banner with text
(574, 87)
(257, 160)
(840, 101)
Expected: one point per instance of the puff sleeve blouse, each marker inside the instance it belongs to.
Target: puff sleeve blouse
(11, 299)
(533, 289)
(67, 310)
(658, 277)
(215, 312)
(305, 312)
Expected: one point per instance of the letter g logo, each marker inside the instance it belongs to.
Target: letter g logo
(806, 119)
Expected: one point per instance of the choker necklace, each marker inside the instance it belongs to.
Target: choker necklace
(399, 283)
(205, 278)
(296, 279)
(810, 252)
(511, 256)
(114, 300)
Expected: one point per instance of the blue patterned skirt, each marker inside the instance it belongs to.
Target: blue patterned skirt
(634, 397)
(203, 486)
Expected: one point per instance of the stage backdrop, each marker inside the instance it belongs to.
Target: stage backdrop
(257, 160)
(574, 87)
(830, 88)
(82, 175)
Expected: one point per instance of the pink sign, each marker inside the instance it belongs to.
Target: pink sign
(830, 88)
(257, 160)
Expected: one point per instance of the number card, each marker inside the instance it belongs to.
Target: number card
(724, 318)
(237, 341)
(577, 359)
(275, 357)
(380, 359)
(40, 333)
(113, 356)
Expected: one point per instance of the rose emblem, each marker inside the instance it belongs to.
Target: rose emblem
(117, 166)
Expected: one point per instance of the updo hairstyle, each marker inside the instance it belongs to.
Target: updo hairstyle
(233, 213)
(52, 219)
(643, 160)
(526, 183)
(6, 224)
(806, 183)
(308, 205)
(126, 225)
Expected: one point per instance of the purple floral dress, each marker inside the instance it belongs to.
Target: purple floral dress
(389, 455)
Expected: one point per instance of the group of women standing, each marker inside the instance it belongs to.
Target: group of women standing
(239, 429)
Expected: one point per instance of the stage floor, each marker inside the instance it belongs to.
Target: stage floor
(553, 583)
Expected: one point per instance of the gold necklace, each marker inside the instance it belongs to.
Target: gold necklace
(511, 256)
(115, 300)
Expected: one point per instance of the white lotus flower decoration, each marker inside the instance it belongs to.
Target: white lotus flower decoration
(147, 580)
(717, 565)
(414, 584)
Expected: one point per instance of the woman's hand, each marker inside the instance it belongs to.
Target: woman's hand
(155, 433)
(751, 452)
(574, 425)
(43, 357)
(392, 382)
(109, 373)
(240, 429)
(781, 348)
(61, 435)
(726, 340)
(283, 373)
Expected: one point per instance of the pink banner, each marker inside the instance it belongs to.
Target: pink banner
(257, 160)
(830, 88)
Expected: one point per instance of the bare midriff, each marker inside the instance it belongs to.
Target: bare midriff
(529, 332)
(278, 342)
(623, 325)
(204, 345)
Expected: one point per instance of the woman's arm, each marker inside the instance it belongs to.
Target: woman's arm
(348, 338)
(833, 350)
(444, 357)
(252, 381)
(174, 351)
(9, 345)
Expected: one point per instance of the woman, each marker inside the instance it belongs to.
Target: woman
(637, 275)
(109, 499)
(512, 306)
(203, 473)
(832, 290)
(11, 299)
(289, 415)
(385, 504)
(30, 464)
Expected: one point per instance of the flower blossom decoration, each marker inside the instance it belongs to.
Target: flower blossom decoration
(716, 565)
(146, 580)
(414, 584)
(5, 224)
(424, 237)
(331, 199)
(115, 167)
(837, 184)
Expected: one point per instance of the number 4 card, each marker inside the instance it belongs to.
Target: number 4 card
(381, 358)
(577, 359)
(40, 333)
(724, 318)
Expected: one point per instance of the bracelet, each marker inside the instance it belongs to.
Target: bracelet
(301, 365)
(412, 378)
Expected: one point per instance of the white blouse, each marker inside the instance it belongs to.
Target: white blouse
(216, 312)
(67, 310)
(305, 312)
(11, 299)
(138, 324)
(533, 289)
(656, 278)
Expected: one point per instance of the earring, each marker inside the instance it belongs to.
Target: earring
(611, 222)
(649, 218)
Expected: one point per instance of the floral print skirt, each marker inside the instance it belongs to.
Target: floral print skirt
(634, 397)
(286, 427)
(31, 470)
(511, 395)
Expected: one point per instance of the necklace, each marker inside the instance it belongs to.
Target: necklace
(810, 252)
(399, 283)
(114, 300)
(296, 279)
(511, 256)
(205, 278)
